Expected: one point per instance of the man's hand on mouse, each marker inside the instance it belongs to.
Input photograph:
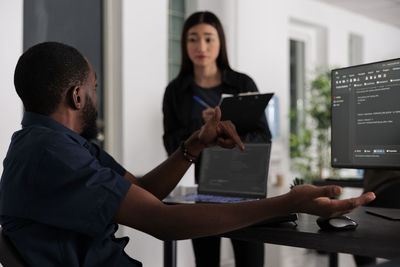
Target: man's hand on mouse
(316, 200)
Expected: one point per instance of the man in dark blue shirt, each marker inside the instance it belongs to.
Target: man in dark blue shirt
(61, 196)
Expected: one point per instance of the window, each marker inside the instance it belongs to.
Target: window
(176, 18)
(355, 49)
(87, 16)
(307, 53)
(297, 85)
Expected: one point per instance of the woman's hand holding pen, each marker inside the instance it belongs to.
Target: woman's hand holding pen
(207, 114)
(217, 132)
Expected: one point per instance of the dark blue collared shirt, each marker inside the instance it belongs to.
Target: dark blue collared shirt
(58, 194)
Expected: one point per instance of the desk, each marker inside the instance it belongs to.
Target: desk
(374, 236)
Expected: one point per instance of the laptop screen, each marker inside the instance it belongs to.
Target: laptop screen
(232, 172)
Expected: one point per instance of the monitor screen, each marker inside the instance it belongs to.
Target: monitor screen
(366, 115)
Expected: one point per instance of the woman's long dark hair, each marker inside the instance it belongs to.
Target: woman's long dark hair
(195, 19)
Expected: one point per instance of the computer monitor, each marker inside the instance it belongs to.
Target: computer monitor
(366, 115)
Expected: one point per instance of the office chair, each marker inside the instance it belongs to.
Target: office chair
(9, 256)
(387, 195)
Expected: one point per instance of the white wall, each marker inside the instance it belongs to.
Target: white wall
(10, 50)
(260, 49)
(144, 65)
(144, 78)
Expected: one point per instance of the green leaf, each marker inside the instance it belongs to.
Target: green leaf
(309, 148)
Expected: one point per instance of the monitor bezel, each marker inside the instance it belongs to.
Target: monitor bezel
(357, 166)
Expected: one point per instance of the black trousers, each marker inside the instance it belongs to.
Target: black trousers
(247, 254)
(364, 261)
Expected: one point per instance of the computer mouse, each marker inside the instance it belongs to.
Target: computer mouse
(337, 223)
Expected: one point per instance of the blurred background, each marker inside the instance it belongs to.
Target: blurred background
(284, 45)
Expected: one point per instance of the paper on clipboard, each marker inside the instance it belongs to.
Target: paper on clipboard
(245, 109)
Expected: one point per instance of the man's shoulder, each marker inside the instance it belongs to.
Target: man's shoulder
(36, 139)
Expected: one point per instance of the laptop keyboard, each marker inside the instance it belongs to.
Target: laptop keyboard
(216, 199)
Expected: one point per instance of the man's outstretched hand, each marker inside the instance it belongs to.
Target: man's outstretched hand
(217, 132)
(316, 200)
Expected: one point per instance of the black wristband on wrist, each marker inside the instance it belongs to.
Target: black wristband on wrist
(186, 155)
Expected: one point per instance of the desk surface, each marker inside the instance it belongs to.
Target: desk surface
(374, 236)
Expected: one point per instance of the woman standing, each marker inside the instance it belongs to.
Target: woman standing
(189, 102)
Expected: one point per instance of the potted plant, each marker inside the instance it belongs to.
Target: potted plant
(310, 147)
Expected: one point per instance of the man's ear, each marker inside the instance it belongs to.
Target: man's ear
(75, 97)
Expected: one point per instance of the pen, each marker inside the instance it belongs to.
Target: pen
(201, 102)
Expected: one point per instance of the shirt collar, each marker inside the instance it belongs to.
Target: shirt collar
(36, 119)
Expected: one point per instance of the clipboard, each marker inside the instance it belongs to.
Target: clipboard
(244, 110)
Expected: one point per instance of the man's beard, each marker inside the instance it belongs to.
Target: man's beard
(89, 116)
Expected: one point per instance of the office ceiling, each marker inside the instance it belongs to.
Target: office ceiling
(386, 11)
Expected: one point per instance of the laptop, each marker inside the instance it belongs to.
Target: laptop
(230, 175)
